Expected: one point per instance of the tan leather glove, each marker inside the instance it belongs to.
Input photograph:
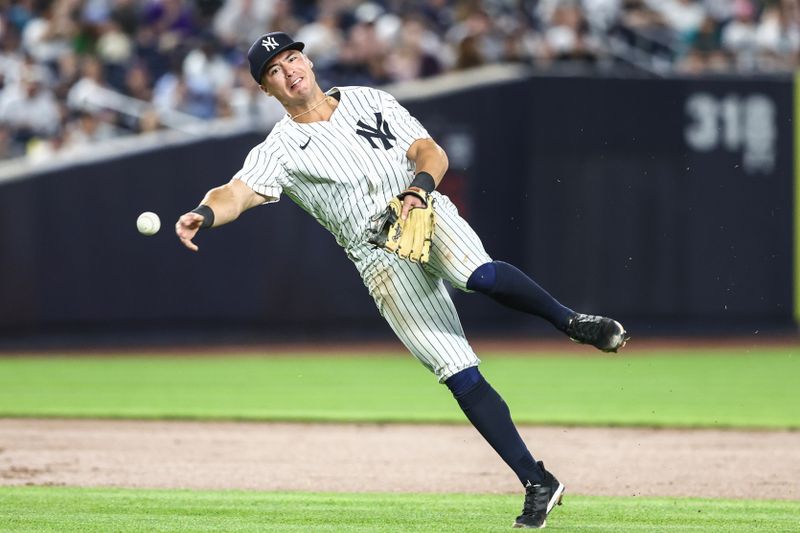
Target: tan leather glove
(410, 238)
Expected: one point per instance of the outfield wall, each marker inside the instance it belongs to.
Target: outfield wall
(667, 203)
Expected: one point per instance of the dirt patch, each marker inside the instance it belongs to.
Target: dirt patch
(393, 458)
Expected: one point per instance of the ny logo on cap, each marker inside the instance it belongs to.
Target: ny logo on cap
(269, 44)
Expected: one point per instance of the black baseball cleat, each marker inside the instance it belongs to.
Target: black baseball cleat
(603, 333)
(556, 488)
(539, 501)
(534, 510)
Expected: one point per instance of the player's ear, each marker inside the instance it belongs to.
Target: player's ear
(264, 88)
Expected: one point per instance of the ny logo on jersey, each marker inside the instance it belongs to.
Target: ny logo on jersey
(269, 44)
(370, 133)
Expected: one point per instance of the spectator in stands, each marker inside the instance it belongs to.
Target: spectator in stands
(721, 11)
(245, 102)
(362, 56)
(206, 70)
(469, 54)
(171, 18)
(114, 49)
(411, 57)
(637, 18)
(29, 108)
(240, 22)
(705, 53)
(139, 86)
(475, 38)
(524, 44)
(283, 19)
(50, 31)
(438, 15)
(182, 54)
(88, 93)
(568, 37)
(19, 13)
(67, 74)
(171, 92)
(137, 82)
(324, 39)
(11, 54)
(603, 14)
(84, 129)
(739, 35)
(777, 37)
(684, 17)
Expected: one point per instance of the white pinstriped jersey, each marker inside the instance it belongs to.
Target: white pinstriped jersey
(343, 172)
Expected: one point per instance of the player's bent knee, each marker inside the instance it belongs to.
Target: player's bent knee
(483, 279)
(464, 381)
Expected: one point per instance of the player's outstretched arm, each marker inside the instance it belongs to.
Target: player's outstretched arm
(219, 206)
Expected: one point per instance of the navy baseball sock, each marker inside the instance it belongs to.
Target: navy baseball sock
(490, 415)
(509, 286)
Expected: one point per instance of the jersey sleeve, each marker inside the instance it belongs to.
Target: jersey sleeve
(405, 126)
(262, 172)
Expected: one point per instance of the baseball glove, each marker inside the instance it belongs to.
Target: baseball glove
(410, 238)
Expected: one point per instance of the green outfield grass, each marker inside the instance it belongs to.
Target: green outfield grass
(57, 509)
(718, 388)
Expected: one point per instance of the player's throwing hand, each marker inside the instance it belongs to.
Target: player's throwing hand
(187, 227)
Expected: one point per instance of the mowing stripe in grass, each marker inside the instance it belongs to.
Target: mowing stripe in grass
(693, 388)
(65, 510)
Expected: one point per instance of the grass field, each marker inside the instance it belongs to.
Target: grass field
(692, 388)
(35, 509)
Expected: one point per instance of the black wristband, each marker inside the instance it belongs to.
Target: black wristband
(424, 181)
(207, 213)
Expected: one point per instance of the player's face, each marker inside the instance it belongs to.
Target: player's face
(289, 77)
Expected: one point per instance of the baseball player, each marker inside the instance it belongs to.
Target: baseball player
(361, 165)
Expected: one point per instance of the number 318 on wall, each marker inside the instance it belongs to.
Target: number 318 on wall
(734, 123)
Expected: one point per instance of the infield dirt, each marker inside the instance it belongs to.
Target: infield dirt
(393, 458)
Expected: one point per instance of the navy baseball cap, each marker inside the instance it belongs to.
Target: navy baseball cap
(266, 47)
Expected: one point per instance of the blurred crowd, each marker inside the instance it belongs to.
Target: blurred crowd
(73, 72)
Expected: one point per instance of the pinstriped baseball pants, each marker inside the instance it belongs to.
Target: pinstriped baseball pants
(413, 299)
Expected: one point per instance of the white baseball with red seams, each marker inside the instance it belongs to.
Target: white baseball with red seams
(148, 223)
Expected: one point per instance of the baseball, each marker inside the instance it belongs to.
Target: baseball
(148, 223)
